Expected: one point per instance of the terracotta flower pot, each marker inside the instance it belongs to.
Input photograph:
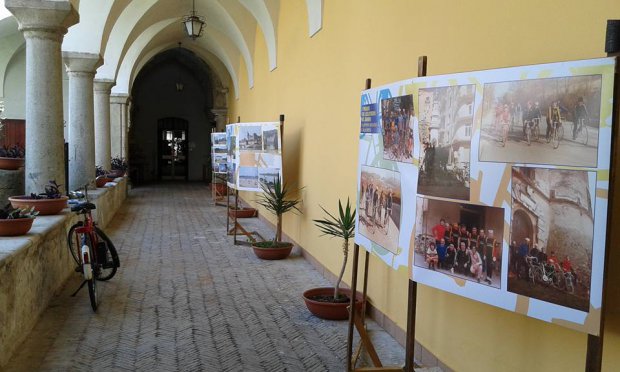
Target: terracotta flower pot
(281, 251)
(11, 163)
(15, 227)
(102, 180)
(330, 310)
(45, 207)
(242, 212)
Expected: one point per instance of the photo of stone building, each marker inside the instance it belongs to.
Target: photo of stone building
(553, 216)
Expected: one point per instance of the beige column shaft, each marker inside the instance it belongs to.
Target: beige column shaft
(44, 24)
(118, 124)
(102, 122)
(81, 68)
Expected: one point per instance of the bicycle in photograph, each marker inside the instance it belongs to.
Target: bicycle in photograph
(556, 134)
(92, 250)
(580, 132)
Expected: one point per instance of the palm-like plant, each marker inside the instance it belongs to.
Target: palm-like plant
(342, 226)
(276, 199)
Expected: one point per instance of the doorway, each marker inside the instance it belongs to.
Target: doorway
(172, 149)
(522, 227)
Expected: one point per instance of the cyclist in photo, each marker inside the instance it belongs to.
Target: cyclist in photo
(537, 114)
(554, 117)
(581, 116)
(529, 114)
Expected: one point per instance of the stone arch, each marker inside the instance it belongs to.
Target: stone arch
(522, 227)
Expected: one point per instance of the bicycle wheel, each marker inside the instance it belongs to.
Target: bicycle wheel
(73, 242)
(557, 137)
(92, 282)
(584, 135)
(107, 257)
(528, 135)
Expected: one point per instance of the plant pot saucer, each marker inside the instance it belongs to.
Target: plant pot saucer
(330, 310)
(15, 227)
(11, 163)
(45, 207)
(281, 251)
(242, 212)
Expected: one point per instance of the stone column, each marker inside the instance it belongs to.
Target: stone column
(118, 124)
(102, 122)
(81, 69)
(44, 24)
(220, 119)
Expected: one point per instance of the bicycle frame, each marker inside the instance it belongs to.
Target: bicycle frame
(88, 256)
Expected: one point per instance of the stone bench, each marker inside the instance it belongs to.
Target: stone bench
(35, 266)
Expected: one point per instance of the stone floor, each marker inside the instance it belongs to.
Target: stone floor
(186, 299)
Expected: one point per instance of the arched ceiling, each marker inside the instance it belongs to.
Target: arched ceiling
(128, 33)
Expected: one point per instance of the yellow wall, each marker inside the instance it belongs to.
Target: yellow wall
(317, 86)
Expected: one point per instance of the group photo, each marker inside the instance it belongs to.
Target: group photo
(380, 206)
(445, 124)
(397, 128)
(551, 235)
(542, 121)
(460, 240)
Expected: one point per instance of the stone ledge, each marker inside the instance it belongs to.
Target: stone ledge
(35, 266)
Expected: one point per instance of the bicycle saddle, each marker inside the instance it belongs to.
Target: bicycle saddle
(83, 207)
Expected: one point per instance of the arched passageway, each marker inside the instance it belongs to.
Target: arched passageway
(171, 118)
(522, 227)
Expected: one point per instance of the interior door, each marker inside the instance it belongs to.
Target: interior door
(172, 154)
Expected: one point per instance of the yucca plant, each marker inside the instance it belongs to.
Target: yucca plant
(343, 227)
(277, 200)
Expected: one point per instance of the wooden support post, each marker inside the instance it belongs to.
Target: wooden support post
(412, 293)
(356, 253)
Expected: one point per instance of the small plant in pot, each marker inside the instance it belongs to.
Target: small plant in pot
(102, 176)
(16, 221)
(327, 302)
(46, 203)
(12, 158)
(118, 166)
(276, 199)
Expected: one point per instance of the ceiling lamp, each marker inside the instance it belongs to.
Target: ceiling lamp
(193, 23)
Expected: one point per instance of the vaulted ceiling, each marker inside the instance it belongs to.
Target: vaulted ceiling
(127, 34)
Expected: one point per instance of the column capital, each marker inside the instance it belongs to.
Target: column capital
(47, 19)
(119, 98)
(219, 112)
(104, 85)
(78, 62)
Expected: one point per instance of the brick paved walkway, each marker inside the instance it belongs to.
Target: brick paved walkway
(186, 299)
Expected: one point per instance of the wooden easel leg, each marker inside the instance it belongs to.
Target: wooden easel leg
(370, 348)
(236, 224)
(410, 341)
(356, 253)
(594, 354)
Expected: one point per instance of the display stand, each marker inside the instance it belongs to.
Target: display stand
(237, 228)
(357, 318)
(594, 351)
(217, 178)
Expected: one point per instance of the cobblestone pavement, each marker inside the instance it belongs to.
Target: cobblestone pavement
(186, 299)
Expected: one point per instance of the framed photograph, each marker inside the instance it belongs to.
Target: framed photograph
(397, 128)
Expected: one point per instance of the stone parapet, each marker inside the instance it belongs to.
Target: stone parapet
(35, 266)
(11, 184)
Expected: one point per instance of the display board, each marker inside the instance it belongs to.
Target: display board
(493, 185)
(219, 161)
(254, 155)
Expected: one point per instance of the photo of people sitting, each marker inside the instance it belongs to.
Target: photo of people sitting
(461, 248)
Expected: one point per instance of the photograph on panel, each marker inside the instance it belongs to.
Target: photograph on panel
(268, 176)
(542, 121)
(445, 124)
(551, 235)
(232, 146)
(219, 162)
(380, 206)
(248, 177)
(271, 140)
(460, 240)
(250, 138)
(218, 139)
(397, 128)
(220, 150)
(231, 170)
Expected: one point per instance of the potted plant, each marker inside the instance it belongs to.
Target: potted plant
(12, 158)
(102, 176)
(50, 202)
(276, 199)
(327, 302)
(16, 221)
(119, 167)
